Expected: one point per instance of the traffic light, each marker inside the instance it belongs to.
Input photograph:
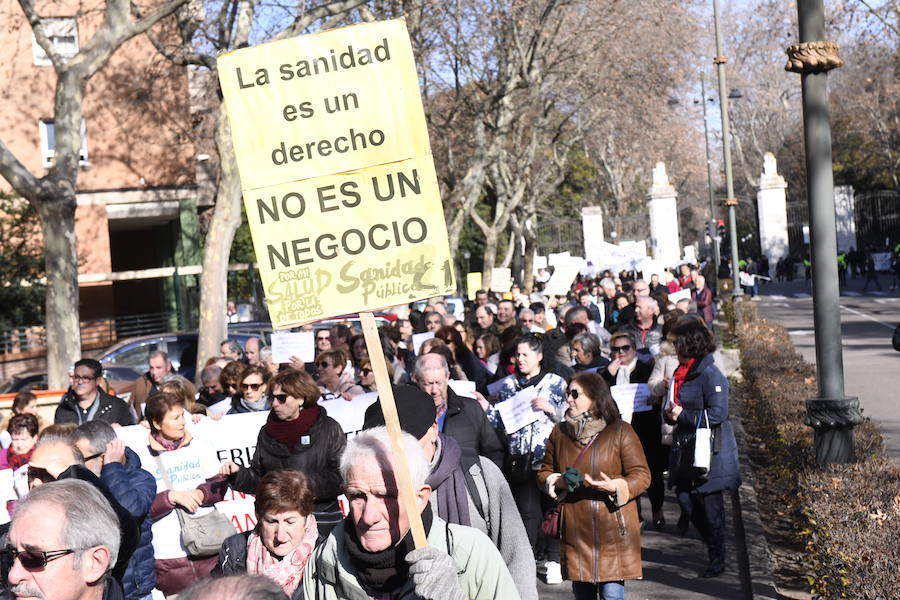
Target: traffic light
(720, 227)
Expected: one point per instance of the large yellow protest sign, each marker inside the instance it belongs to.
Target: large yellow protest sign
(336, 171)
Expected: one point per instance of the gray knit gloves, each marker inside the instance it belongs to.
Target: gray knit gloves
(435, 574)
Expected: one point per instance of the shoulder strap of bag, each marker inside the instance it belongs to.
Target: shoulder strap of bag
(168, 482)
(583, 450)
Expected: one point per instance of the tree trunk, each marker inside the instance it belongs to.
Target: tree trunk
(60, 257)
(490, 258)
(224, 223)
(530, 241)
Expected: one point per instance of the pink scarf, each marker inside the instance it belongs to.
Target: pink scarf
(288, 571)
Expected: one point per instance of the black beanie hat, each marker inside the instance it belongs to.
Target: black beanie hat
(414, 407)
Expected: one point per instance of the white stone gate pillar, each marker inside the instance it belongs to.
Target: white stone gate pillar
(592, 230)
(772, 208)
(664, 239)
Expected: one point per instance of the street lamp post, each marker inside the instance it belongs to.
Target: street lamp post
(713, 238)
(720, 60)
(832, 415)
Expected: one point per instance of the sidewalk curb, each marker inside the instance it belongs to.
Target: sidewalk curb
(754, 557)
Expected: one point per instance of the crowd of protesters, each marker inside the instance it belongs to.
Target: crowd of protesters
(558, 497)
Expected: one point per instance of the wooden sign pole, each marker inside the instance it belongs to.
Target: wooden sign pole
(386, 396)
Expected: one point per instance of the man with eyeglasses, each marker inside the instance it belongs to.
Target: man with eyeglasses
(459, 417)
(646, 331)
(119, 468)
(85, 401)
(57, 459)
(641, 289)
(62, 544)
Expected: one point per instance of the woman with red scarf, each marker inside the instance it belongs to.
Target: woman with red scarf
(300, 436)
(23, 429)
(700, 395)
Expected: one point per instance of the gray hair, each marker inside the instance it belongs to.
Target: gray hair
(210, 373)
(419, 370)
(90, 520)
(158, 354)
(265, 354)
(691, 304)
(233, 346)
(525, 311)
(373, 446)
(589, 343)
(234, 587)
(97, 433)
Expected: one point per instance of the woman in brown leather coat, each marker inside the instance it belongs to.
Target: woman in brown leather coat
(601, 543)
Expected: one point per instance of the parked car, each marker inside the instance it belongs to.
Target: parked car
(181, 346)
(456, 305)
(37, 380)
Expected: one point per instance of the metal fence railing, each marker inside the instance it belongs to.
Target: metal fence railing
(31, 340)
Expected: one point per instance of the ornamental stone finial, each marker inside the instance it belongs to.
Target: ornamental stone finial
(813, 57)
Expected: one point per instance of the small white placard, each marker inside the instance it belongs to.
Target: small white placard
(516, 411)
(463, 388)
(286, 344)
(349, 413)
(220, 408)
(680, 295)
(419, 339)
(494, 388)
(631, 398)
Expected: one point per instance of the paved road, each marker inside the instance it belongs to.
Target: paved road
(871, 366)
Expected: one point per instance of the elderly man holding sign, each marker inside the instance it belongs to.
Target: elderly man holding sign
(371, 553)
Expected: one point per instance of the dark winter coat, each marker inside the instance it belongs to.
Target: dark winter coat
(706, 388)
(135, 490)
(112, 410)
(233, 560)
(466, 423)
(317, 454)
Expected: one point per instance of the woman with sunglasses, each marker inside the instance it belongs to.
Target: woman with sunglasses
(334, 377)
(626, 368)
(700, 394)
(300, 436)
(195, 490)
(253, 398)
(526, 444)
(594, 466)
(230, 380)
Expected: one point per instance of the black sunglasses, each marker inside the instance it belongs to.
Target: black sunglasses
(365, 372)
(93, 456)
(279, 397)
(619, 348)
(573, 393)
(39, 473)
(323, 364)
(251, 386)
(32, 560)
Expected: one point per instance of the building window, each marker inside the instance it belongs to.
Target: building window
(48, 143)
(63, 33)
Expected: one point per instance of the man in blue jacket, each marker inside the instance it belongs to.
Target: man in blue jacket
(134, 488)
